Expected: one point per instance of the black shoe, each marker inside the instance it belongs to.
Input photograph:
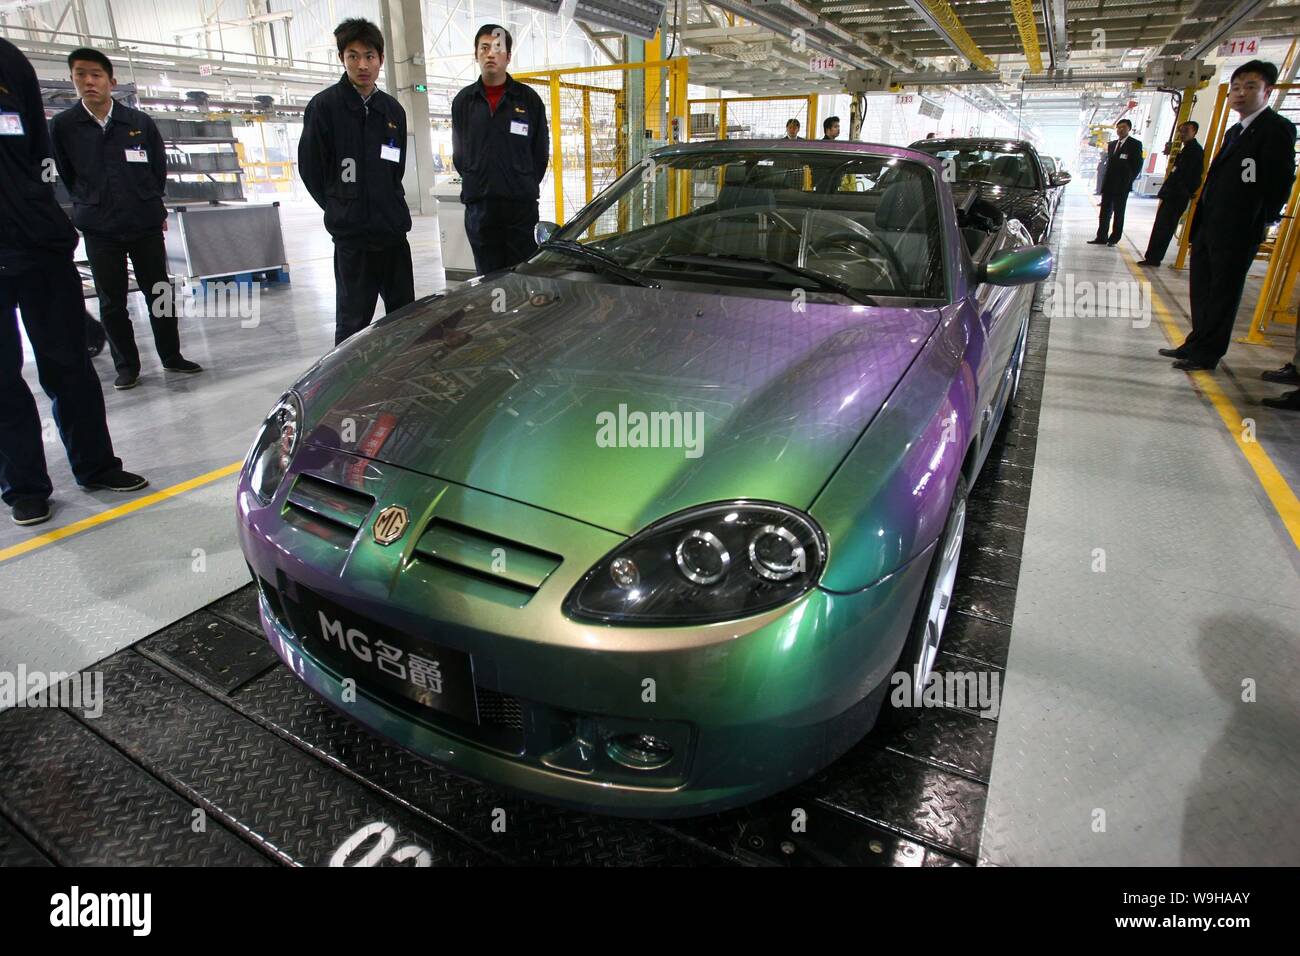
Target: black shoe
(1112, 242)
(1288, 374)
(183, 365)
(117, 480)
(1191, 365)
(1097, 242)
(31, 511)
(1145, 262)
(1172, 353)
(126, 380)
(1287, 400)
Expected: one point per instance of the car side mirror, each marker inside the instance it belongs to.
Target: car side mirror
(1060, 179)
(543, 231)
(1019, 267)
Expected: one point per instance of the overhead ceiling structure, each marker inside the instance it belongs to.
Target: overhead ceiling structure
(1010, 56)
(1060, 57)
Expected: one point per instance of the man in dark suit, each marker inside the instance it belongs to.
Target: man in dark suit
(1181, 183)
(1248, 184)
(1288, 374)
(38, 278)
(1123, 163)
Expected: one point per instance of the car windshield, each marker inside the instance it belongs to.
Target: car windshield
(996, 165)
(830, 223)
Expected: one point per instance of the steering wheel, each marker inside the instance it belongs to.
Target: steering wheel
(891, 269)
(855, 233)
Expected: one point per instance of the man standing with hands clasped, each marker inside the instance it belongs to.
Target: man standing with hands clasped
(1248, 184)
(113, 161)
(500, 147)
(352, 156)
(1181, 183)
(1123, 163)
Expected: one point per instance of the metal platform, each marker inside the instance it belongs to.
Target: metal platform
(208, 752)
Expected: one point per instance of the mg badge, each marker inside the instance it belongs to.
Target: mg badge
(391, 524)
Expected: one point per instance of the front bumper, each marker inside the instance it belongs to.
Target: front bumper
(749, 707)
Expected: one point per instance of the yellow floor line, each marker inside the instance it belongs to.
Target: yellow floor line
(112, 514)
(1274, 484)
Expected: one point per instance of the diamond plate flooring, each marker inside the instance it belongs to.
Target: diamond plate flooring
(1150, 714)
(201, 722)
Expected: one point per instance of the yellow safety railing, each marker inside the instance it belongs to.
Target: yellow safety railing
(285, 174)
(1274, 303)
(588, 118)
(259, 172)
(752, 117)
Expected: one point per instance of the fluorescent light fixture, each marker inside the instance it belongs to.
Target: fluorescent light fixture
(638, 18)
(546, 6)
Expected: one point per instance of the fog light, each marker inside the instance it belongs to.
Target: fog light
(639, 751)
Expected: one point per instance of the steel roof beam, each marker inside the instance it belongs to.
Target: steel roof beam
(1225, 26)
(943, 20)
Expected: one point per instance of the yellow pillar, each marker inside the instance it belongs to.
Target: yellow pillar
(1279, 277)
(557, 155)
(1211, 140)
(586, 140)
(654, 88)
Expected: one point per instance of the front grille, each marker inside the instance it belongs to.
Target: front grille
(327, 510)
(485, 557)
(500, 723)
(499, 710)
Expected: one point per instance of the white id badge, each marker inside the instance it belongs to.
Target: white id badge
(390, 153)
(136, 156)
(518, 128)
(11, 124)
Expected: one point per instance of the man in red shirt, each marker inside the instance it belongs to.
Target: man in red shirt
(500, 145)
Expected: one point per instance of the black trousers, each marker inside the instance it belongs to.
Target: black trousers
(362, 276)
(500, 232)
(1168, 213)
(49, 295)
(149, 260)
(1112, 205)
(1218, 276)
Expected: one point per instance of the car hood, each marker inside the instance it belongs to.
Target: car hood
(556, 393)
(1027, 205)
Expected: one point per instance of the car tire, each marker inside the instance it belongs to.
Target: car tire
(923, 640)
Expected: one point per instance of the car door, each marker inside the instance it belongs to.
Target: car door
(1001, 311)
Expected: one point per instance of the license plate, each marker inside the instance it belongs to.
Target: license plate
(378, 657)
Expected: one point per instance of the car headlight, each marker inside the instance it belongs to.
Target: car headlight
(274, 446)
(710, 563)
